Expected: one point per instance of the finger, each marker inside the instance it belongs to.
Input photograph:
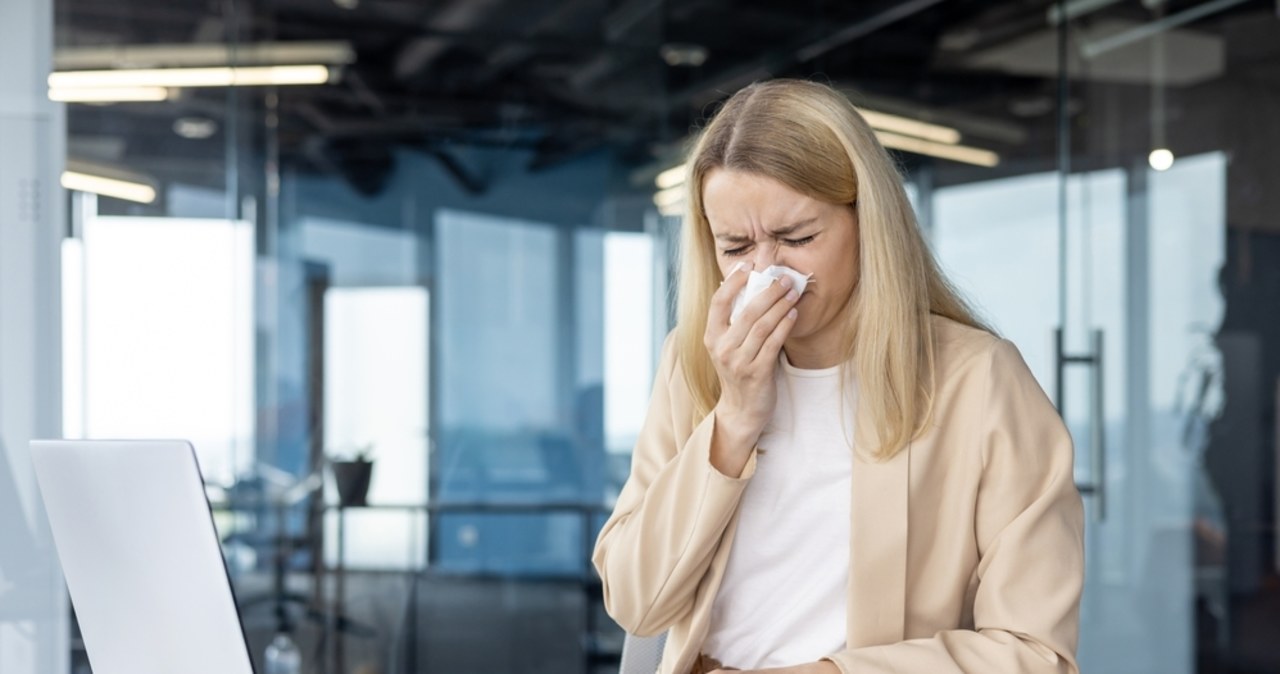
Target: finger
(755, 309)
(722, 300)
(776, 339)
(766, 325)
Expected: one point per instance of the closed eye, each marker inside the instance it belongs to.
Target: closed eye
(796, 243)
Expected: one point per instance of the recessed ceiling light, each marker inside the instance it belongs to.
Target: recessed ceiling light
(1161, 159)
(1031, 106)
(195, 128)
(683, 54)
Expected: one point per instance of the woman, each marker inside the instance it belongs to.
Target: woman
(859, 479)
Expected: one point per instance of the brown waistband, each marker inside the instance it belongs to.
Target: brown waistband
(705, 664)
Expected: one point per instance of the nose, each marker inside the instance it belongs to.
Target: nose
(766, 255)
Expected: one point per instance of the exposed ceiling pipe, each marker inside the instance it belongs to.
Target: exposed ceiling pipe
(620, 24)
(1098, 47)
(1075, 9)
(511, 54)
(473, 184)
(893, 13)
(778, 60)
(458, 15)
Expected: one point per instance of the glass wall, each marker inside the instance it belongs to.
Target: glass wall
(1142, 306)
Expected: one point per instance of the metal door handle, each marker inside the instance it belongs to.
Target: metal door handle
(1097, 488)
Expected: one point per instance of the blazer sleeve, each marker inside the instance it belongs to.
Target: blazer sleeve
(1029, 525)
(670, 516)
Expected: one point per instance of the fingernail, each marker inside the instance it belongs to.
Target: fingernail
(792, 313)
(786, 282)
(793, 295)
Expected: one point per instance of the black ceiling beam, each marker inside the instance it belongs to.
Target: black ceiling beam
(797, 53)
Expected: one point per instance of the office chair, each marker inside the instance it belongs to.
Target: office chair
(642, 655)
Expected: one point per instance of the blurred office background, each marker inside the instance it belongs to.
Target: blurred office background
(437, 236)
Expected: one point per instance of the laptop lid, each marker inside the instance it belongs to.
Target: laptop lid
(138, 547)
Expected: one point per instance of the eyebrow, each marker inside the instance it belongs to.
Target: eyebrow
(781, 231)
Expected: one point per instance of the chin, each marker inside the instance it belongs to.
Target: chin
(809, 323)
(804, 328)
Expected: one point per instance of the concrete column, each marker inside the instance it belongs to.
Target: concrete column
(33, 600)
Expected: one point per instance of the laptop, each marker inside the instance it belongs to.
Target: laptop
(135, 535)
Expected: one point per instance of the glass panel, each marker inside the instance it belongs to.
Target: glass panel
(499, 309)
(167, 316)
(1182, 561)
(504, 429)
(974, 220)
(376, 403)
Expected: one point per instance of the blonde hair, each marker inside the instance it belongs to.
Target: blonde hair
(810, 138)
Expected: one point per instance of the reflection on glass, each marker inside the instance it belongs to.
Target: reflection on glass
(1142, 582)
(505, 396)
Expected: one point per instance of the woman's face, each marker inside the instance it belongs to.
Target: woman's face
(761, 221)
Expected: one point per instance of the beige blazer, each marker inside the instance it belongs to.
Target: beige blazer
(966, 550)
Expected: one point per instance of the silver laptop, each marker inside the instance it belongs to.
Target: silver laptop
(141, 556)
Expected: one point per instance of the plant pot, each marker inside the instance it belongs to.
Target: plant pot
(352, 479)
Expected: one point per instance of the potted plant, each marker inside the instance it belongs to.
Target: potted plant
(352, 477)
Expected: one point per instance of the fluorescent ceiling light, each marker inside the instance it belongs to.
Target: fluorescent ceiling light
(192, 77)
(672, 210)
(670, 177)
(669, 197)
(911, 127)
(960, 153)
(189, 55)
(670, 201)
(902, 133)
(108, 95)
(683, 54)
(109, 187)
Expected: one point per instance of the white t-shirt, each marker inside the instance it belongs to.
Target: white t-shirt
(783, 598)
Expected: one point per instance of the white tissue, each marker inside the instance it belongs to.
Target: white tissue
(759, 280)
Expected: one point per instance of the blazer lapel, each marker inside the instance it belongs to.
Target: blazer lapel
(878, 543)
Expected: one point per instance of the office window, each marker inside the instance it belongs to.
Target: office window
(628, 336)
(160, 316)
(375, 363)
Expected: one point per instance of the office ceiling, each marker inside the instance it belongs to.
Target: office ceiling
(564, 78)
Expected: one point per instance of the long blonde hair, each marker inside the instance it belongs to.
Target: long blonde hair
(810, 138)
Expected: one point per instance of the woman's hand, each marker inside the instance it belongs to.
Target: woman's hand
(745, 355)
